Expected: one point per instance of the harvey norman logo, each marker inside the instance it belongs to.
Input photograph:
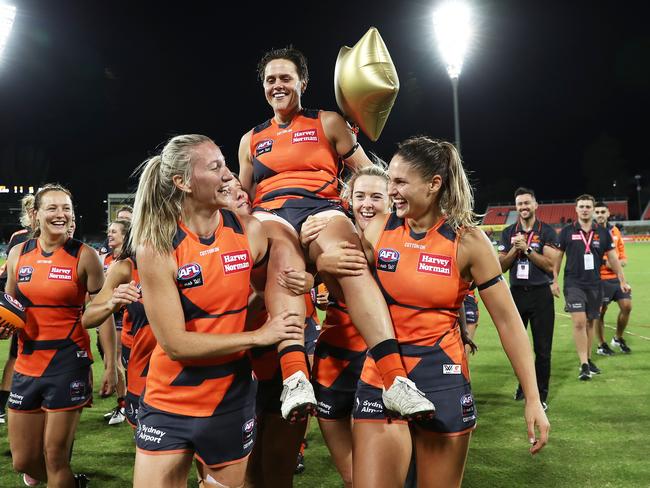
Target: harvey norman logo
(234, 262)
(57, 273)
(434, 264)
(309, 135)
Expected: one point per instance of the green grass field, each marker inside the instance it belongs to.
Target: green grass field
(598, 428)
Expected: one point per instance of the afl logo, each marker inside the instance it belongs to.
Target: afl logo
(189, 276)
(387, 259)
(14, 302)
(263, 147)
(467, 400)
(189, 271)
(249, 425)
(25, 274)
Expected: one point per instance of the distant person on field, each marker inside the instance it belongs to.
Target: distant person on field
(585, 244)
(612, 290)
(528, 250)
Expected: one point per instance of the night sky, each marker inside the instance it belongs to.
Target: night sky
(553, 95)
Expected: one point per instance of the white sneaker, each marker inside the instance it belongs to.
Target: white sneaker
(118, 416)
(298, 399)
(29, 481)
(3, 418)
(405, 399)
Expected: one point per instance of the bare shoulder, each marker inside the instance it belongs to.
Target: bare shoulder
(251, 225)
(246, 139)
(333, 120)
(472, 237)
(152, 262)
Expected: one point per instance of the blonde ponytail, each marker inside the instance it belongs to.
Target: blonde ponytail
(435, 157)
(158, 201)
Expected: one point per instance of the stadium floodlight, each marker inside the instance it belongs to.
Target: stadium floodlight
(7, 15)
(452, 22)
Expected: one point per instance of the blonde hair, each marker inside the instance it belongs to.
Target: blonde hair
(378, 168)
(435, 157)
(27, 211)
(158, 201)
(38, 198)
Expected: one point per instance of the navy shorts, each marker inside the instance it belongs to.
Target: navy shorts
(612, 291)
(333, 404)
(296, 210)
(216, 441)
(471, 310)
(440, 379)
(65, 391)
(587, 300)
(131, 408)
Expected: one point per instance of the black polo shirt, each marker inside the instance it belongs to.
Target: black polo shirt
(540, 235)
(572, 242)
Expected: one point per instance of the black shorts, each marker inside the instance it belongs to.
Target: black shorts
(66, 391)
(296, 210)
(13, 348)
(333, 404)
(216, 441)
(131, 408)
(612, 291)
(587, 300)
(471, 310)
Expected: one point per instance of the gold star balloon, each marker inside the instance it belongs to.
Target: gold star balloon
(366, 83)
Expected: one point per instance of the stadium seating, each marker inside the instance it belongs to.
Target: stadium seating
(556, 213)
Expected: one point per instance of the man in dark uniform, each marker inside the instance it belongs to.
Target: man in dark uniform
(585, 243)
(528, 250)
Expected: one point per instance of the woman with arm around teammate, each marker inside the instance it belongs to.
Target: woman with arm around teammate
(432, 243)
(194, 260)
(50, 275)
(291, 165)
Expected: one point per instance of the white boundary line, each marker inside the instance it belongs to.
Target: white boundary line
(610, 327)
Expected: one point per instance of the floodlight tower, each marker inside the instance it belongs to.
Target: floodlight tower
(452, 22)
(7, 16)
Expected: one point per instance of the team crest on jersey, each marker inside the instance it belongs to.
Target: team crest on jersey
(452, 369)
(434, 264)
(236, 261)
(387, 259)
(263, 147)
(25, 274)
(309, 135)
(60, 274)
(189, 276)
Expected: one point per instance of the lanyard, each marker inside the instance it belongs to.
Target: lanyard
(587, 241)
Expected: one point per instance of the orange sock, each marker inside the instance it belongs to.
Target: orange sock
(293, 359)
(388, 360)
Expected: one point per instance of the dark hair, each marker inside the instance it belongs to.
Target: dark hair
(126, 225)
(432, 157)
(586, 196)
(289, 53)
(601, 204)
(524, 191)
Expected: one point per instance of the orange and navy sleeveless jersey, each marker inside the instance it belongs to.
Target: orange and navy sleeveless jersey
(605, 272)
(137, 335)
(133, 318)
(108, 260)
(47, 284)
(213, 278)
(294, 161)
(419, 277)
